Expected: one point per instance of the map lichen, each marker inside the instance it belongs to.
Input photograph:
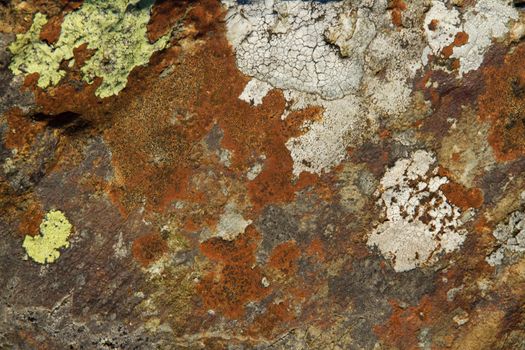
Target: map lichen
(54, 233)
(115, 30)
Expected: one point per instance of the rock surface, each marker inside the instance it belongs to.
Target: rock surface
(262, 174)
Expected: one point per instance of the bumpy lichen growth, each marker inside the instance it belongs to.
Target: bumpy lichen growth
(115, 30)
(54, 233)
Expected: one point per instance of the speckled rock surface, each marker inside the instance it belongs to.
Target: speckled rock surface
(262, 174)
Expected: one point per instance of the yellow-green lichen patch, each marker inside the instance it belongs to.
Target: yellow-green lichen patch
(115, 30)
(54, 233)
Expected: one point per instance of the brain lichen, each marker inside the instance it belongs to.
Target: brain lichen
(115, 30)
(54, 233)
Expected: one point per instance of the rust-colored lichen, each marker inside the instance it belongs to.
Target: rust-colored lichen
(276, 315)
(460, 39)
(237, 280)
(397, 7)
(149, 248)
(51, 30)
(31, 219)
(284, 258)
(462, 197)
(502, 105)
(22, 131)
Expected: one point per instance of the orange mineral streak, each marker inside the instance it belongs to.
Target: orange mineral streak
(147, 249)
(237, 280)
(502, 105)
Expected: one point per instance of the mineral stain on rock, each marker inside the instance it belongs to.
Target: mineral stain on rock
(284, 174)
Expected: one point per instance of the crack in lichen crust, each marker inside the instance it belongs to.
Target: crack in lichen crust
(116, 30)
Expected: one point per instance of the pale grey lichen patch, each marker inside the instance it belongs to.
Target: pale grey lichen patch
(443, 32)
(324, 144)
(487, 20)
(255, 91)
(256, 168)
(419, 223)
(510, 237)
(231, 223)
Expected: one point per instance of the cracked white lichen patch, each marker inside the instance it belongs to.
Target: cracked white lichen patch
(487, 20)
(283, 43)
(328, 55)
(510, 237)
(419, 223)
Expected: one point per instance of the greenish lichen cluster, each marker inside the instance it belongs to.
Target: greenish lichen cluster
(54, 234)
(115, 30)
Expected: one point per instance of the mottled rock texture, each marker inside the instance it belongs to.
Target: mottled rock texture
(262, 174)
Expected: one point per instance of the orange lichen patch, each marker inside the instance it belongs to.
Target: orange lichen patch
(442, 171)
(154, 165)
(316, 249)
(482, 226)
(455, 64)
(238, 252)
(460, 39)
(228, 290)
(205, 15)
(502, 105)
(149, 248)
(284, 258)
(238, 281)
(82, 54)
(461, 196)
(403, 327)
(22, 131)
(433, 24)
(276, 315)
(430, 92)
(268, 133)
(384, 134)
(164, 15)
(31, 219)
(397, 7)
(51, 30)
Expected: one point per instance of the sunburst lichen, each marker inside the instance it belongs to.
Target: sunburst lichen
(115, 30)
(54, 233)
